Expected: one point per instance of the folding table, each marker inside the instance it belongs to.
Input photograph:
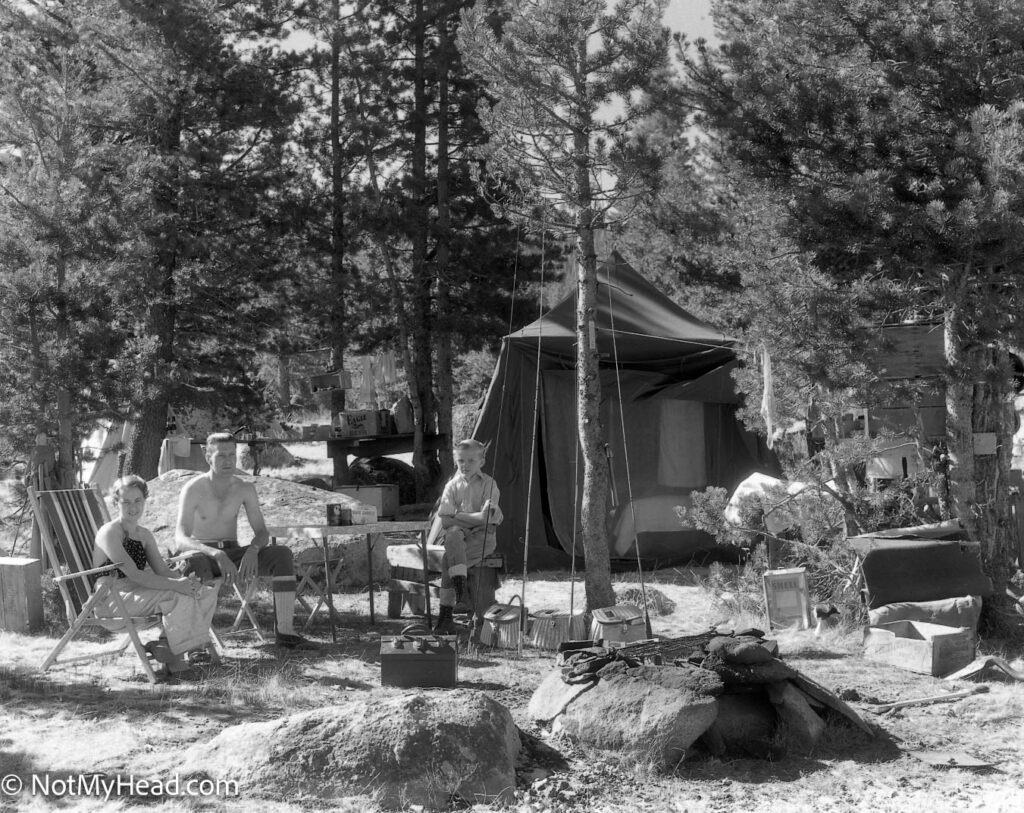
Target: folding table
(319, 534)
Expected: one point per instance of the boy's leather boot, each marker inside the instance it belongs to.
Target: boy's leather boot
(445, 622)
(459, 585)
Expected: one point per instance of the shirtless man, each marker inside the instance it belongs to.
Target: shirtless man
(208, 524)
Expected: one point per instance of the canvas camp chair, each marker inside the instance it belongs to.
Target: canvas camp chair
(68, 520)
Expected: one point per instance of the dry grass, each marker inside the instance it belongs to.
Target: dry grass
(104, 717)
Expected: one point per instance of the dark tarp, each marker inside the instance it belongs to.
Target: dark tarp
(678, 419)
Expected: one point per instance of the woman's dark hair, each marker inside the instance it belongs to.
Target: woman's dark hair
(129, 481)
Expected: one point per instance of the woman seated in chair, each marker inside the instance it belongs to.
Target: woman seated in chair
(147, 585)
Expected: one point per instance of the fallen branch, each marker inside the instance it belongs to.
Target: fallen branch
(937, 698)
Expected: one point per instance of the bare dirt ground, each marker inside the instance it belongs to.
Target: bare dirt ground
(105, 718)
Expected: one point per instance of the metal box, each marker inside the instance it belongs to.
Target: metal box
(383, 497)
(931, 649)
(419, 660)
(786, 598)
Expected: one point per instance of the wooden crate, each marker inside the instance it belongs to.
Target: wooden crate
(786, 598)
(21, 594)
(931, 649)
(333, 380)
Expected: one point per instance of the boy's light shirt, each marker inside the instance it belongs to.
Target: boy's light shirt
(467, 496)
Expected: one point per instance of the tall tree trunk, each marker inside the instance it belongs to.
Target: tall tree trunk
(422, 378)
(339, 281)
(593, 514)
(979, 399)
(150, 420)
(65, 404)
(443, 333)
(150, 417)
(397, 295)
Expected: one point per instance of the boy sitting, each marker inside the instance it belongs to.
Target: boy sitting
(469, 514)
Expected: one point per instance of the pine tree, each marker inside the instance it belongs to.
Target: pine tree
(894, 129)
(70, 200)
(216, 122)
(551, 68)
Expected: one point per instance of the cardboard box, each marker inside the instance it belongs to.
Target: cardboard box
(360, 423)
(786, 598)
(383, 497)
(363, 514)
(931, 649)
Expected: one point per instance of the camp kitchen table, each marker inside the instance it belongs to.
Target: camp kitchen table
(319, 535)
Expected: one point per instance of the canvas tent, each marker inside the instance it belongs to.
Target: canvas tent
(678, 406)
(101, 453)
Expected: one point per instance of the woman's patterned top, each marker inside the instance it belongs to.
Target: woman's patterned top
(137, 551)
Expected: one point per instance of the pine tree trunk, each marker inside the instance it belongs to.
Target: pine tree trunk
(421, 277)
(65, 404)
(593, 515)
(980, 402)
(443, 334)
(142, 456)
(339, 281)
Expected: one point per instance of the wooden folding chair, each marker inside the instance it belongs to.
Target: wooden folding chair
(68, 520)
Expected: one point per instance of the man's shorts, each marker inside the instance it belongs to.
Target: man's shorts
(272, 560)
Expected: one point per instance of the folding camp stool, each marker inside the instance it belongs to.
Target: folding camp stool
(313, 578)
(245, 610)
(244, 600)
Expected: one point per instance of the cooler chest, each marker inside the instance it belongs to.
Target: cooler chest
(419, 659)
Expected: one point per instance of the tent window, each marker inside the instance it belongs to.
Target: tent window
(682, 454)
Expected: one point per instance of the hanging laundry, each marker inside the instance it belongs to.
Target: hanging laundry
(388, 369)
(366, 385)
(768, 397)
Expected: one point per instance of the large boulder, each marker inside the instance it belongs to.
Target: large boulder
(648, 712)
(802, 727)
(426, 748)
(745, 727)
(552, 696)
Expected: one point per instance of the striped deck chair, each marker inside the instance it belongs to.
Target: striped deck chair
(68, 520)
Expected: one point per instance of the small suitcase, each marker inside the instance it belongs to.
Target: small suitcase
(621, 624)
(418, 658)
(502, 625)
(549, 628)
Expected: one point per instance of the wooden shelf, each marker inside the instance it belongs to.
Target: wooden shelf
(381, 445)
